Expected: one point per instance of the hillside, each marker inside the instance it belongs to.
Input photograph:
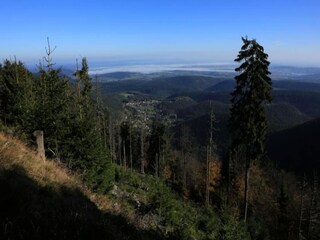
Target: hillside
(297, 149)
(161, 86)
(282, 115)
(279, 115)
(305, 96)
(294, 102)
(306, 102)
(148, 174)
(229, 85)
(42, 200)
(117, 76)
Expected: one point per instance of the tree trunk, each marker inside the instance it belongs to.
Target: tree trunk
(157, 165)
(111, 140)
(142, 151)
(119, 149)
(124, 155)
(209, 156)
(104, 131)
(246, 190)
(130, 136)
(229, 177)
(40, 143)
(207, 178)
(301, 210)
(184, 170)
(314, 213)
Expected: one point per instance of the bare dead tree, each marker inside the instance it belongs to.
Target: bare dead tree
(302, 208)
(142, 137)
(130, 139)
(49, 51)
(210, 149)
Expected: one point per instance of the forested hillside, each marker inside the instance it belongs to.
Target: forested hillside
(43, 200)
(297, 149)
(170, 158)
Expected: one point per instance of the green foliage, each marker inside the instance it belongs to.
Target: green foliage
(53, 96)
(17, 91)
(66, 114)
(84, 148)
(212, 224)
(53, 208)
(248, 122)
(73, 133)
(159, 153)
(171, 106)
(176, 219)
(232, 228)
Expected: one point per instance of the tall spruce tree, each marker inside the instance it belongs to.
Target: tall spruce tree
(85, 142)
(17, 95)
(53, 94)
(248, 123)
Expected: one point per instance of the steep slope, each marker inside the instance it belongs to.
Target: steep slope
(41, 200)
(306, 102)
(283, 115)
(280, 116)
(175, 104)
(297, 149)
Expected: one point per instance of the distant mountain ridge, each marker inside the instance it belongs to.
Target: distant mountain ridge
(228, 85)
(162, 86)
(125, 71)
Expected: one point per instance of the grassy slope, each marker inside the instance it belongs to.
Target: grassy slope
(41, 200)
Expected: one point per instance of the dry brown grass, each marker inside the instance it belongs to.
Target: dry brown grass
(14, 153)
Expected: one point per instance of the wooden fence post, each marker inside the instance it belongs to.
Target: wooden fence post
(40, 143)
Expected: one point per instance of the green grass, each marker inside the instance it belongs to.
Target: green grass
(148, 197)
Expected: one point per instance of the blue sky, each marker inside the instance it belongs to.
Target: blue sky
(166, 30)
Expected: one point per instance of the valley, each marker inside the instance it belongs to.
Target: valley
(187, 100)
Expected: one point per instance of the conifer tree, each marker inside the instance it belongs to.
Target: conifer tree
(17, 94)
(85, 142)
(53, 95)
(248, 122)
(283, 219)
(159, 150)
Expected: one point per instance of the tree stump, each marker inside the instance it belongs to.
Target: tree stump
(40, 143)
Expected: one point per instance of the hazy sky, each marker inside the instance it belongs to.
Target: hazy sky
(195, 31)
